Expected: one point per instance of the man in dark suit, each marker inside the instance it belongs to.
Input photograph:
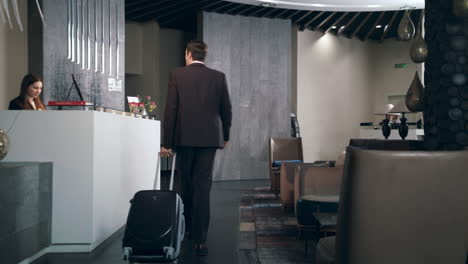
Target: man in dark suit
(197, 121)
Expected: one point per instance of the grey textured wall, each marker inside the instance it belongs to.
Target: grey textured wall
(56, 68)
(25, 209)
(255, 55)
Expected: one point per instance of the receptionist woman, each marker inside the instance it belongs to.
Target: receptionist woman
(31, 88)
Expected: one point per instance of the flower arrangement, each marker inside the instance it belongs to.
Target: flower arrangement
(141, 105)
(136, 107)
(147, 103)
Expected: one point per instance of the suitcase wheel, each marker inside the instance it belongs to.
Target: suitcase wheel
(127, 251)
(169, 252)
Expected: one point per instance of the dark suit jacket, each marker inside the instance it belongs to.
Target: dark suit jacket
(198, 108)
(16, 104)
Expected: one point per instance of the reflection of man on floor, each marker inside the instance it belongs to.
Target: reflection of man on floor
(198, 108)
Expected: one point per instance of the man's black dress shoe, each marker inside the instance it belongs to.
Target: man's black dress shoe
(201, 249)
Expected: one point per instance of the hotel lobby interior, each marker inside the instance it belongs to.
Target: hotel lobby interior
(349, 136)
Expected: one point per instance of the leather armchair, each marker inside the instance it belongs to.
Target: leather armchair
(313, 181)
(401, 207)
(282, 149)
(287, 175)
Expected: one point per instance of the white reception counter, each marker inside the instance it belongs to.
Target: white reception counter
(99, 161)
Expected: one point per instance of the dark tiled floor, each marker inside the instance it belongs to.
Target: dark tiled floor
(223, 235)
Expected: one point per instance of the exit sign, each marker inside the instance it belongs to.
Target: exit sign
(401, 65)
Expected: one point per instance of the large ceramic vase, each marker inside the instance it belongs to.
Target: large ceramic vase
(415, 96)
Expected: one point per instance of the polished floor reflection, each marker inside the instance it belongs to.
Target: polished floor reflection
(223, 237)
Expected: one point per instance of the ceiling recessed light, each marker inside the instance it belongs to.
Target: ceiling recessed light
(333, 27)
(378, 26)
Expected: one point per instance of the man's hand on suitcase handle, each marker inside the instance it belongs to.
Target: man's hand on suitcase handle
(166, 152)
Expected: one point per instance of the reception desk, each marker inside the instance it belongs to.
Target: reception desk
(99, 161)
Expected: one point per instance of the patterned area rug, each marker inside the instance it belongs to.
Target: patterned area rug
(267, 234)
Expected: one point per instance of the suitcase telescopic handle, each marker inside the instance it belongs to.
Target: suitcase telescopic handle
(157, 178)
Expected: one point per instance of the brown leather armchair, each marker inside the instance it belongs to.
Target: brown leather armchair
(316, 190)
(401, 207)
(287, 174)
(282, 149)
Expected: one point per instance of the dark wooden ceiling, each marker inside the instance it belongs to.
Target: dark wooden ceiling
(182, 14)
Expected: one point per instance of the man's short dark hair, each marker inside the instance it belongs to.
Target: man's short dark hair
(198, 49)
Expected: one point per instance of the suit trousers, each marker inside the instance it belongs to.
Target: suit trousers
(193, 183)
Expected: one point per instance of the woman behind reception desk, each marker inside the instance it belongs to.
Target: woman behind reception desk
(31, 88)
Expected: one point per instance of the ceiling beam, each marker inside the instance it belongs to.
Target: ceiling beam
(372, 29)
(136, 2)
(152, 5)
(175, 11)
(323, 21)
(210, 5)
(222, 6)
(246, 10)
(258, 11)
(350, 22)
(302, 17)
(336, 23)
(240, 6)
(279, 15)
(361, 25)
(314, 19)
(293, 14)
(153, 10)
(388, 26)
(270, 12)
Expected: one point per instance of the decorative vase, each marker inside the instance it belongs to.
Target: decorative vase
(4, 144)
(406, 27)
(143, 111)
(460, 8)
(386, 129)
(414, 98)
(418, 52)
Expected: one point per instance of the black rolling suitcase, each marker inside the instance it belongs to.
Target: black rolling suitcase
(155, 225)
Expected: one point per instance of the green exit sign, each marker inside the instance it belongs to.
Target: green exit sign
(401, 65)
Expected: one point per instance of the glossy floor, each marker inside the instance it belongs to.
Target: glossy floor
(222, 238)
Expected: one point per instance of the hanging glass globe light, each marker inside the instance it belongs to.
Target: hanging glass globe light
(460, 8)
(415, 96)
(418, 52)
(406, 28)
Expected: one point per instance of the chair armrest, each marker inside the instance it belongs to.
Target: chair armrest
(331, 163)
(317, 181)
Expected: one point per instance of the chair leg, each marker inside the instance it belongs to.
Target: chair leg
(306, 247)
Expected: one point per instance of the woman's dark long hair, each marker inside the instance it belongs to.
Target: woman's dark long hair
(25, 83)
